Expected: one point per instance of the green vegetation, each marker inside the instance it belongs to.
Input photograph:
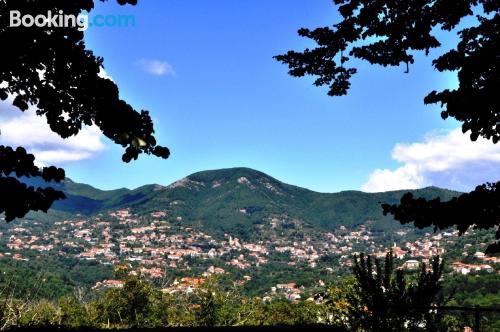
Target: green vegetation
(363, 301)
(213, 200)
(54, 287)
(476, 290)
(479, 289)
(386, 300)
(140, 304)
(49, 277)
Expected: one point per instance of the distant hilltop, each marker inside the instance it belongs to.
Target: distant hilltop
(235, 200)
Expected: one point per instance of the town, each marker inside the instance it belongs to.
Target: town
(154, 246)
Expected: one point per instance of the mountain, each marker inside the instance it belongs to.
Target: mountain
(236, 200)
(86, 200)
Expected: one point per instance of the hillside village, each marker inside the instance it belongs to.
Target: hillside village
(153, 245)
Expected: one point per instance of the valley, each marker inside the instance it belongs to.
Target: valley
(269, 238)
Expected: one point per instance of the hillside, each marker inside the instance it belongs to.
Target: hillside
(238, 223)
(238, 199)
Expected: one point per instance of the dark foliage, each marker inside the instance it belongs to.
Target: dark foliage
(387, 33)
(17, 198)
(480, 208)
(387, 300)
(51, 69)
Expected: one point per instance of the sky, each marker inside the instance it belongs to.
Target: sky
(204, 70)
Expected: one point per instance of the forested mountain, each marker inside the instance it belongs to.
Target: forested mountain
(236, 199)
(271, 240)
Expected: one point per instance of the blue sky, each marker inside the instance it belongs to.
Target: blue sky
(204, 69)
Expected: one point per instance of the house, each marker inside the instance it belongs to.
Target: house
(479, 255)
(108, 284)
(411, 264)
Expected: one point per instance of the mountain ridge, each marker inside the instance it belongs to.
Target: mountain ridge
(240, 200)
(198, 173)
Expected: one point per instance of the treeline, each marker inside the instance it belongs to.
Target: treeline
(376, 297)
(476, 290)
(140, 304)
(49, 276)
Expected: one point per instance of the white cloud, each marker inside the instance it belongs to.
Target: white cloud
(156, 67)
(449, 160)
(405, 177)
(33, 133)
(103, 74)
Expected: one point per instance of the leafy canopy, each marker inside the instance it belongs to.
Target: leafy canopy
(388, 33)
(51, 69)
(385, 299)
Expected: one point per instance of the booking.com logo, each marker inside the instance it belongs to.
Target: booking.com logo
(60, 20)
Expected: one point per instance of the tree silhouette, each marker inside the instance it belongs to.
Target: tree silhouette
(51, 69)
(387, 300)
(480, 208)
(387, 33)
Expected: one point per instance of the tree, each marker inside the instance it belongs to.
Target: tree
(387, 300)
(130, 306)
(387, 33)
(335, 306)
(51, 69)
(480, 208)
(219, 303)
